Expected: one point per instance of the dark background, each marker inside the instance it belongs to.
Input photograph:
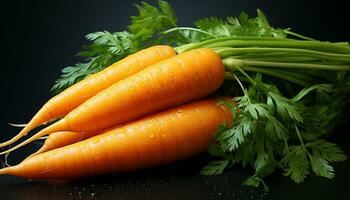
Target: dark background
(39, 37)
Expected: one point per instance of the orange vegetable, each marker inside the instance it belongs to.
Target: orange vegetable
(63, 138)
(157, 139)
(75, 95)
(180, 79)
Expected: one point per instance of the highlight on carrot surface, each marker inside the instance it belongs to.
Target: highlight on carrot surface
(154, 140)
(72, 97)
(174, 81)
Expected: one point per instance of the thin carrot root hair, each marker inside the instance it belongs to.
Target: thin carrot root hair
(17, 125)
(5, 162)
(44, 132)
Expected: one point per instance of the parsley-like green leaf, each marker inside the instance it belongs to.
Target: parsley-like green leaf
(151, 21)
(241, 26)
(321, 167)
(209, 23)
(275, 128)
(252, 181)
(255, 181)
(285, 108)
(327, 151)
(71, 75)
(215, 167)
(297, 165)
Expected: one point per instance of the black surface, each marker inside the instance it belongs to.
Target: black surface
(39, 37)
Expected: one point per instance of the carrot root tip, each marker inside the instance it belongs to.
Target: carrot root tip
(43, 138)
(6, 163)
(17, 125)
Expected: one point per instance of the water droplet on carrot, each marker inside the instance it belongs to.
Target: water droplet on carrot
(180, 111)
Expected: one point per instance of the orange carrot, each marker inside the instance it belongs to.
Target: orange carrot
(60, 139)
(75, 95)
(180, 79)
(64, 138)
(157, 139)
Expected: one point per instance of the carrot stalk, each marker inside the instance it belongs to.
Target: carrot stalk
(154, 140)
(180, 79)
(72, 97)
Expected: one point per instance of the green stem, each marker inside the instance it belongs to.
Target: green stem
(244, 74)
(266, 187)
(299, 44)
(229, 76)
(275, 57)
(297, 65)
(299, 75)
(189, 28)
(232, 64)
(278, 58)
(169, 20)
(298, 35)
(341, 43)
(240, 84)
(299, 136)
(229, 51)
(280, 75)
(190, 46)
(302, 142)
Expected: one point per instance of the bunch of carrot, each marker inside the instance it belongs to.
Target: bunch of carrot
(101, 104)
(147, 108)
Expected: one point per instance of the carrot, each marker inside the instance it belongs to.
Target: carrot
(60, 139)
(72, 97)
(64, 138)
(157, 139)
(180, 79)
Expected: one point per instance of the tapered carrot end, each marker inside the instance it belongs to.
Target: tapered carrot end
(39, 119)
(41, 150)
(23, 132)
(46, 131)
(6, 170)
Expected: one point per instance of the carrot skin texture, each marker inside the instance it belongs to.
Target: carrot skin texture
(154, 140)
(174, 81)
(72, 97)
